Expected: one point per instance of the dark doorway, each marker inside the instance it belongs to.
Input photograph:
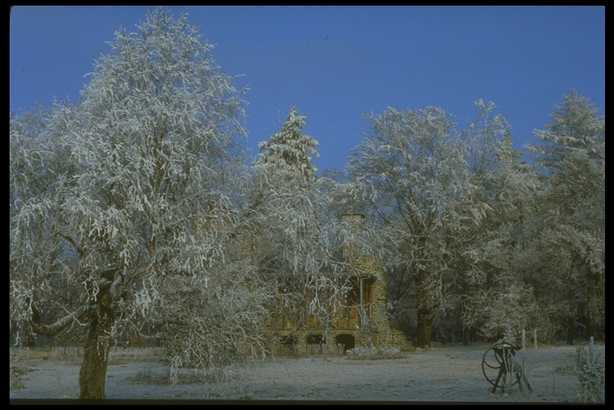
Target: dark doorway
(289, 344)
(315, 343)
(346, 340)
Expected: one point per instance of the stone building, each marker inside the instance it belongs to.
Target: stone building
(362, 320)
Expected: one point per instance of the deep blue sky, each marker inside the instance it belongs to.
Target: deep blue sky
(338, 63)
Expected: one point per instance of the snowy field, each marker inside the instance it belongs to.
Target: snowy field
(440, 374)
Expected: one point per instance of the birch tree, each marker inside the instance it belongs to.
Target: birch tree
(124, 207)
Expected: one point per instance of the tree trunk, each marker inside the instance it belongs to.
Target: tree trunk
(571, 330)
(425, 328)
(424, 309)
(587, 330)
(466, 336)
(93, 374)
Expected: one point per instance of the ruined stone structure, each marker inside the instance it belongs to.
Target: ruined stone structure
(362, 320)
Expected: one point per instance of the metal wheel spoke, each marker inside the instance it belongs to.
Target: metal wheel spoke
(485, 360)
(492, 367)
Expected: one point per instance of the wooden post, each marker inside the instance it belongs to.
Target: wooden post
(553, 383)
(362, 312)
(535, 338)
(524, 339)
(524, 377)
(361, 296)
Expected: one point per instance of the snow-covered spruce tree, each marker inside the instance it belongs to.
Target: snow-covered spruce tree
(572, 160)
(413, 164)
(294, 234)
(283, 198)
(289, 151)
(122, 204)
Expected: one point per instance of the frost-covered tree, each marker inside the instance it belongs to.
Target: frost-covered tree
(39, 168)
(490, 258)
(542, 234)
(289, 150)
(284, 196)
(572, 159)
(413, 168)
(121, 215)
(482, 138)
(294, 235)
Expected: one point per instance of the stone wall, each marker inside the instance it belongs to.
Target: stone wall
(378, 332)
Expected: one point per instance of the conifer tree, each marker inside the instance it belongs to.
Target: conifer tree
(289, 151)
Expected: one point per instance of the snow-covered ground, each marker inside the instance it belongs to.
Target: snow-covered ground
(440, 374)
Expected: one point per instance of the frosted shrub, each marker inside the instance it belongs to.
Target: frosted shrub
(591, 375)
(509, 312)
